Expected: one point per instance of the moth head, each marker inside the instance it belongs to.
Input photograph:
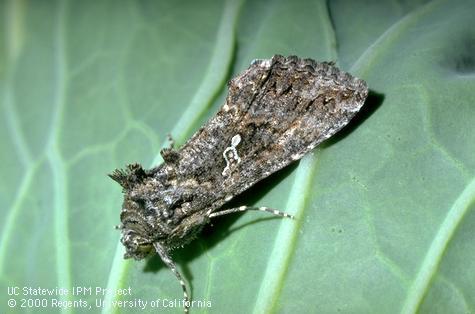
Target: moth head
(137, 225)
(135, 229)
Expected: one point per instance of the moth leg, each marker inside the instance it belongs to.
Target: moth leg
(162, 252)
(244, 208)
(169, 154)
(171, 141)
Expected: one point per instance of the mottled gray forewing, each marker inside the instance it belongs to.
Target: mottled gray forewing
(280, 109)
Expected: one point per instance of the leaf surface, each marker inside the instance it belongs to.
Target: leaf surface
(385, 210)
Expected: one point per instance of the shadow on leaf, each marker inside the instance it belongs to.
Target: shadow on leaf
(372, 103)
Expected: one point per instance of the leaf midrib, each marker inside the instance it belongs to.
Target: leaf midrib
(287, 235)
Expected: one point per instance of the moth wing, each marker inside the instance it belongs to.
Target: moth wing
(276, 111)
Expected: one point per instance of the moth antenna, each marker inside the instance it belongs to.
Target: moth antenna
(162, 252)
(119, 176)
(133, 174)
(244, 208)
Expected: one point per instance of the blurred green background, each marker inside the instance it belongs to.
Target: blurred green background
(385, 210)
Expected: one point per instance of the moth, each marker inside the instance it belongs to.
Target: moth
(275, 112)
